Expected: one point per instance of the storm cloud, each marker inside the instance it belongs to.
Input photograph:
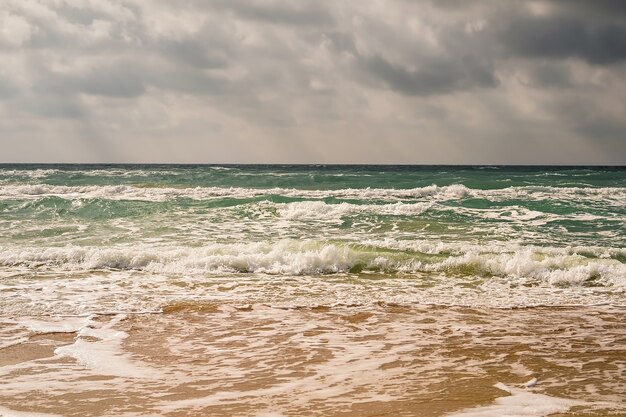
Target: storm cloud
(289, 81)
(559, 38)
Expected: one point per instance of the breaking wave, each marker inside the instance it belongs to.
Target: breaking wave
(448, 192)
(593, 267)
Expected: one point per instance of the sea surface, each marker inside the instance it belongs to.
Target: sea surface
(90, 251)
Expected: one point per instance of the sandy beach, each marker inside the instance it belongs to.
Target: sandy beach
(240, 360)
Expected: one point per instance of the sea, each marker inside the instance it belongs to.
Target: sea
(281, 290)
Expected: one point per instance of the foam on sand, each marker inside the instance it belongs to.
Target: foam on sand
(521, 403)
(5, 412)
(98, 347)
(229, 361)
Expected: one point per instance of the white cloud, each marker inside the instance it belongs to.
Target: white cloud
(14, 30)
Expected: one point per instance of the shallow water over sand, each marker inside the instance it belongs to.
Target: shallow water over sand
(220, 359)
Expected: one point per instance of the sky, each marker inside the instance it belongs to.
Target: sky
(324, 81)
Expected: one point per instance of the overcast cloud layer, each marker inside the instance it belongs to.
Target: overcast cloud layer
(325, 81)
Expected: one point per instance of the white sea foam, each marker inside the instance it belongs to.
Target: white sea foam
(30, 173)
(549, 266)
(521, 403)
(458, 248)
(98, 346)
(319, 210)
(55, 324)
(270, 360)
(450, 192)
(5, 412)
(123, 173)
(559, 269)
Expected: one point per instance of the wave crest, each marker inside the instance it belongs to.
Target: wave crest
(523, 266)
(431, 192)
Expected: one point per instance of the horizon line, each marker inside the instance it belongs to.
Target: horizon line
(314, 164)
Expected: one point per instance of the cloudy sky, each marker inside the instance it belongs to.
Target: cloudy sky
(324, 81)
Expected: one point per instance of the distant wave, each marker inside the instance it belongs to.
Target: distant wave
(431, 192)
(111, 172)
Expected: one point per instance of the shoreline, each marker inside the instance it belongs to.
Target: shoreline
(215, 359)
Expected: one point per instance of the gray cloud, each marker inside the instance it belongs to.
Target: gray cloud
(7, 89)
(561, 37)
(614, 9)
(190, 81)
(434, 78)
(115, 81)
(550, 75)
(292, 81)
(603, 129)
(291, 13)
(193, 52)
(55, 107)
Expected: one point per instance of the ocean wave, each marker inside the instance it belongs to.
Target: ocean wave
(104, 172)
(28, 173)
(431, 192)
(316, 210)
(518, 266)
(491, 217)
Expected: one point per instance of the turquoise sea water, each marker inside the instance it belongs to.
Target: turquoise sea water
(94, 238)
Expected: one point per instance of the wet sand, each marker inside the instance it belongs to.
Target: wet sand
(199, 359)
